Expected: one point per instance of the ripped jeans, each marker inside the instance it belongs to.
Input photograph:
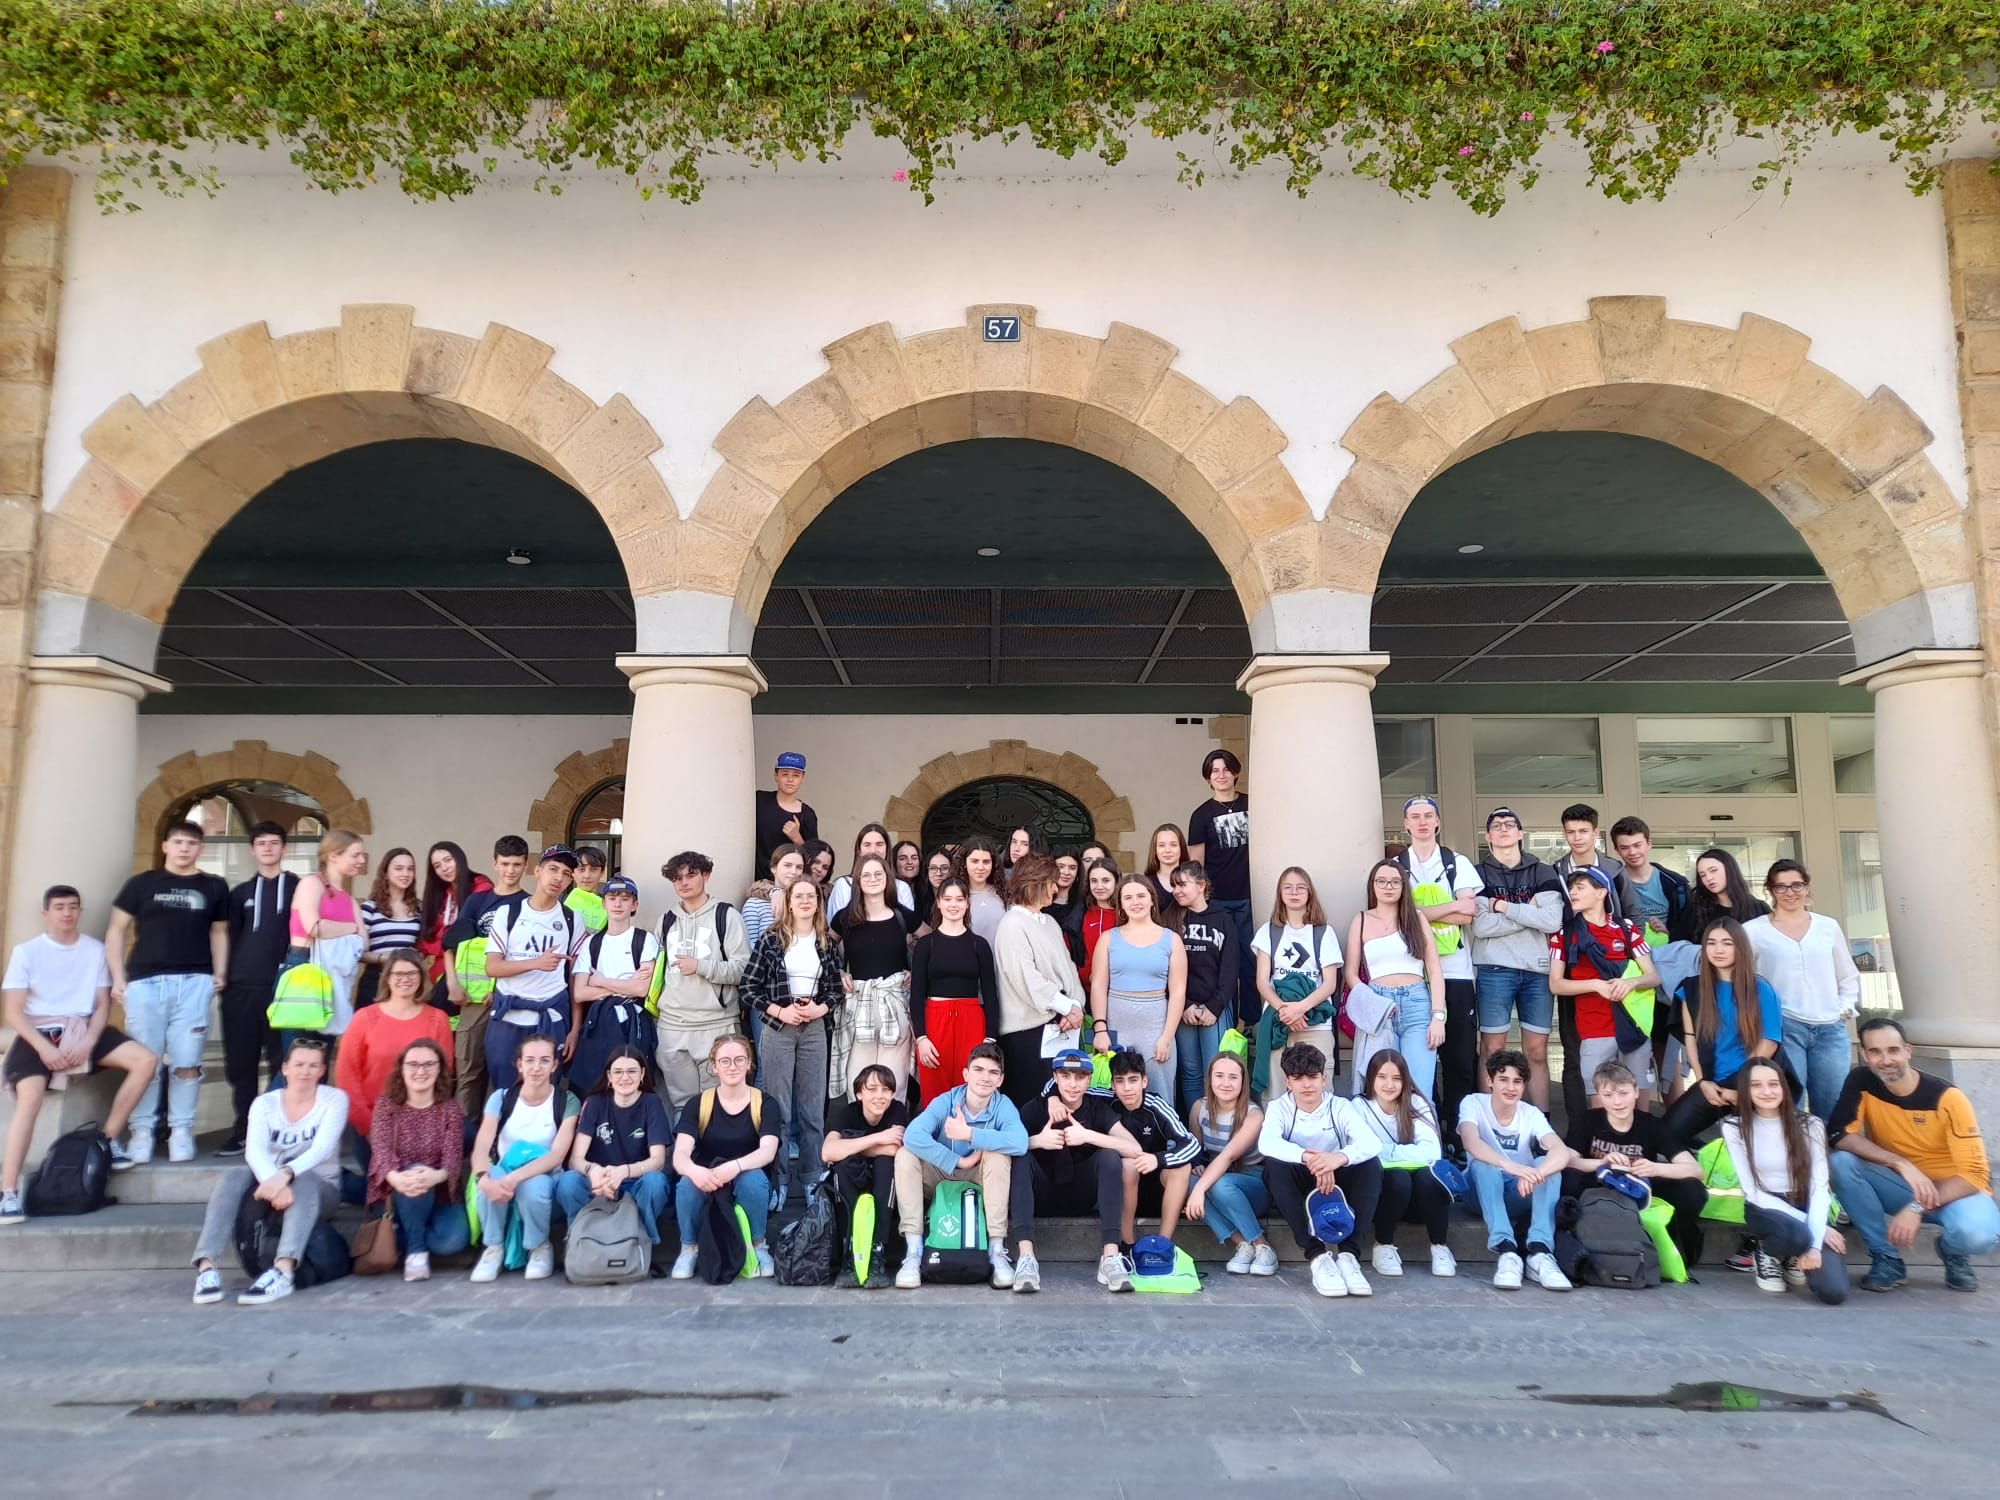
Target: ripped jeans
(167, 1014)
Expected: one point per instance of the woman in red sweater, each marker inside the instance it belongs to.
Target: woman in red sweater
(377, 1036)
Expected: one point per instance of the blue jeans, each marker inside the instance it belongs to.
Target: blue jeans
(649, 1191)
(1873, 1194)
(429, 1224)
(1821, 1056)
(1248, 1006)
(1194, 1049)
(534, 1201)
(167, 1014)
(1503, 1208)
(1504, 992)
(753, 1195)
(1413, 1023)
(1232, 1203)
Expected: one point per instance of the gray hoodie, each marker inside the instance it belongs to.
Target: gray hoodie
(1517, 938)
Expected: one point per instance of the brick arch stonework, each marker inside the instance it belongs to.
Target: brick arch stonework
(246, 760)
(1110, 813)
(577, 777)
(1849, 471)
(885, 397)
(165, 476)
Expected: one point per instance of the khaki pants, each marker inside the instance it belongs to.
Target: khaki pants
(469, 1054)
(915, 1178)
(682, 1055)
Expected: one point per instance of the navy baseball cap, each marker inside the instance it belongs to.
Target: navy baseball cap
(791, 760)
(1424, 799)
(560, 854)
(620, 885)
(1504, 812)
(1070, 1060)
(1635, 1188)
(1332, 1220)
(1153, 1256)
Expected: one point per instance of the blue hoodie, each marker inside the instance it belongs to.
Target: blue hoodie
(999, 1128)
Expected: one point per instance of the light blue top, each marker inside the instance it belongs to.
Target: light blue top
(1140, 973)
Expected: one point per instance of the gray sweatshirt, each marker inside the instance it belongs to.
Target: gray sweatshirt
(1517, 938)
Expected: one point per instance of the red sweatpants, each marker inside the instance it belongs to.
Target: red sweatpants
(954, 1027)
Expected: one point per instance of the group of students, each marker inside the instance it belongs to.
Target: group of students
(952, 1014)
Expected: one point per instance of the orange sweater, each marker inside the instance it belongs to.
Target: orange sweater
(1932, 1127)
(369, 1049)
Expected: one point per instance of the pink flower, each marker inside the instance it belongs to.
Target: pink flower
(1465, 150)
(1527, 114)
(1607, 47)
(899, 175)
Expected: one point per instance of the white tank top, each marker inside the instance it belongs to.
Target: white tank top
(1390, 958)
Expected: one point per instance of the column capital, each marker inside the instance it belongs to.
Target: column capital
(95, 672)
(1921, 665)
(1359, 669)
(738, 672)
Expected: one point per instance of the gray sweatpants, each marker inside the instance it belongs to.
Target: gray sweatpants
(795, 1062)
(312, 1201)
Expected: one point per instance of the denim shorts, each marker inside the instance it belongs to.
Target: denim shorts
(1503, 992)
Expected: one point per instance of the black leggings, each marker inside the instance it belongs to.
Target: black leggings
(1095, 1183)
(1360, 1182)
(1784, 1236)
(1691, 1114)
(1412, 1198)
(1027, 1069)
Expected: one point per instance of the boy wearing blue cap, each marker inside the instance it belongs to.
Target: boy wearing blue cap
(1075, 1164)
(783, 817)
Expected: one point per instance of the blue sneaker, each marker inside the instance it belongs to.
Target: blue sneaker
(1885, 1273)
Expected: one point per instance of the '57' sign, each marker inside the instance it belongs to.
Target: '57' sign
(1003, 330)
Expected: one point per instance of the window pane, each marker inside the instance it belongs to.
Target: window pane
(1853, 737)
(228, 812)
(1701, 754)
(1407, 756)
(1868, 920)
(600, 822)
(1534, 757)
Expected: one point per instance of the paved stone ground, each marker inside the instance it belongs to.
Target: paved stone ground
(1261, 1388)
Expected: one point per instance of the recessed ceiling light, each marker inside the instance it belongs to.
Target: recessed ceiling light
(989, 551)
(1471, 547)
(518, 558)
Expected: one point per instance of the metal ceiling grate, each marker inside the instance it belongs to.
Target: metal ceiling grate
(1049, 671)
(1687, 668)
(910, 607)
(1214, 641)
(1478, 603)
(1101, 607)
(1653, 601)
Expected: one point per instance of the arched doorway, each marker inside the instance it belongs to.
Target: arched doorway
(995, 806)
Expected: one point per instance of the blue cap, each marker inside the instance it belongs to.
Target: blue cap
(1450, 1176)
(1635, 1188)
(791, 760)
(1070, 1060)
(1332, 1220)
(620, 885)
(1153, 1256)
(1504, 812)
(1594, 872)
(1425, 798)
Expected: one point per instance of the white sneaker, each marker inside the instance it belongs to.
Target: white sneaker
(541, 1262)
(139, 1150)
(684, 1264)
(1443, 1262)
(1388, 1261)
(1507, 1275)
(1266, 1263)
(764, 1266)
(1327, 1280)
(273, 1286)
(1003, 1268)
(1350, 1272)
(490, 1260)
(417, 1266)
(1242, 1259)
(910, 1274)
(1114, 1273)
(1027, 1274)
(1542, 1266)
(180, 1144)
(208, 1286)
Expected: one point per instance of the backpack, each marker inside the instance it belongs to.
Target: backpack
(73, 1176)
(258, 1225)
(1448, 934)
(302, 999)
(722, 911)
(611, 1021)
(706, 1109)
(1609, 1245)
(955, 1239)
(803, 1252)
(720, 1251)
(607, 1244)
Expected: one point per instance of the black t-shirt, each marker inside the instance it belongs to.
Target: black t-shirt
(1593, 1137)
(854, 1123)
(728, 1136)
(1094, 1112)
(174, 914)
(621, 1137)
(1210, 940)
(875, 950)
(771, 821)
(1223, 831)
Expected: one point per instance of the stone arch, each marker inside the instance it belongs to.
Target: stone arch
(165, 476)
(1109, 812)
(577, 777)
(247, 760)
(1850, 472)
(884, 397)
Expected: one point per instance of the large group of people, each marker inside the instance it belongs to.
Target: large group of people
(1048, 1034)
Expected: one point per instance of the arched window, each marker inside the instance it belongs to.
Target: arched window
(599, 820)
(996, 805)
(228, 812)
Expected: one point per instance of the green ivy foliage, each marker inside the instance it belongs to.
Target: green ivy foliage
(1418, 94)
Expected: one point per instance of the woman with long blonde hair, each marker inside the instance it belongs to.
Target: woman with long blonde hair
(326, 921)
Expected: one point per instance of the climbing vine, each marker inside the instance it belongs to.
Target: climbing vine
(1467, 95)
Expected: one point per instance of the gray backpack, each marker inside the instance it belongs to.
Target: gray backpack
(607, 1244)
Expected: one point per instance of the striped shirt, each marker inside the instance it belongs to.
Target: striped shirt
(387, 933)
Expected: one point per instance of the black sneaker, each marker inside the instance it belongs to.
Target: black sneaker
(231, 1147)
(1958, 1273)
(1885, 1273)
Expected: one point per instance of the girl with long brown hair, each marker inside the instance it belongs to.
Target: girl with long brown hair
(793, 980)
(1780, 1158)
(1404, 1118)
(1395, 955)
(1728, 1017)
(1228, 1192)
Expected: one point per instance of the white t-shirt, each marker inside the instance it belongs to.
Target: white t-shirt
(1514, 1140)
(533, 1123)
(615, 953)
(802, 965)
(1464, 881)
(1294, 953)
(60, 981)
(524, 933)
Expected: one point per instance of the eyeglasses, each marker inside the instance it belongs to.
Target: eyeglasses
(413, 1066)
(732, 1062)
(1787, 887)
(1387, 882)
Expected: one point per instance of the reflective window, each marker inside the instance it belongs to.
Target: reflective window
(1406, 751)
(228, 812)
(599, 821)
(1716, 754)
(1853, 737)
(1534, 757)
(1867, 921)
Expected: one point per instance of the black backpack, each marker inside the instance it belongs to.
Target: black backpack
(73, 1176)
(1607, 1245)
(805, 1251)
(326, 1256)
(719, 1248)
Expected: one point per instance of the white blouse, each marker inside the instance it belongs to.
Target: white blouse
(1815, 976)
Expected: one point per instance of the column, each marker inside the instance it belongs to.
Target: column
(79, 777)
(1317, 793)
(1940, 834)
(691, 779)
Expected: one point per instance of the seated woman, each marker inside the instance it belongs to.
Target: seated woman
(416, 1156)
(862, 1153)
(524, 1138)
(1229, 1193)
(292, 1162)
(379, 1036)
(726, 1137)
(622, 1139)
(1780, 1160)
(1403, 1117)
